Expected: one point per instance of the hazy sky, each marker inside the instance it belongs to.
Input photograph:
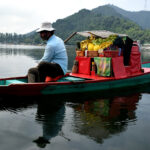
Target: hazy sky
(23, 16)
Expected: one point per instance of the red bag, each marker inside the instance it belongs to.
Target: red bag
(84, 65)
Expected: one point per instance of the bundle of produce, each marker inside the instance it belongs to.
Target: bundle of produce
(87, 44)
(95, 44)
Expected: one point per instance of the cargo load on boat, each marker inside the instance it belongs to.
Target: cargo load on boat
(110, 54)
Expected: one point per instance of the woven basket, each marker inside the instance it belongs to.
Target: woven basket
(92, 53)
(113, 53)
(80, 53)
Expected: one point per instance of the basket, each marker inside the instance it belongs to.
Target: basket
(92, 53)
(80, 53)
(110, 53)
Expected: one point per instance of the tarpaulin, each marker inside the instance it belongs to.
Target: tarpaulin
(118, 67)
(103, 66)
(135, 62)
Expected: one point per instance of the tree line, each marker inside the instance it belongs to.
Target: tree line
(13, 38)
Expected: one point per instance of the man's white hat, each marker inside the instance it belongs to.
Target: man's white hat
(46, 26)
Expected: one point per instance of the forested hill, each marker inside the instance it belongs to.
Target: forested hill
(100, 18)
(88, 20)
(142, 18)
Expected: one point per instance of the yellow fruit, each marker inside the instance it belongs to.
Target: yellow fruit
(92, 38)
(83, 44)
(96, 47)
(90, 47)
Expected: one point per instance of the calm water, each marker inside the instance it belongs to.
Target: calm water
(81, 122)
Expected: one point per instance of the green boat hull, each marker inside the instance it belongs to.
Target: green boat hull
(100, 86)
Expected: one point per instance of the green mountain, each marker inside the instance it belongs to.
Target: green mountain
(142, 18)
(106, 10)
(107, 17)
(98, 20)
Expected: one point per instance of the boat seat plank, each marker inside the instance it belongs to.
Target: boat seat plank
(146, 70)
(71, 79)
(14, 81)
(146, 65)
(92, 77)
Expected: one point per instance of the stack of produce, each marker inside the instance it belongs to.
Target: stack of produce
(95, 44)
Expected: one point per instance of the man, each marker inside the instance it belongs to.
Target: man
(54, 61)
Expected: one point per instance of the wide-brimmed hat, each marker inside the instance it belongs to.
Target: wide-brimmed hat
(46, 26)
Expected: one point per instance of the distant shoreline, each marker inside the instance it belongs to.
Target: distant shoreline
(21, 46)
(144, 47)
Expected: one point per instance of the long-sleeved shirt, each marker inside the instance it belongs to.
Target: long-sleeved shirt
(55, 52)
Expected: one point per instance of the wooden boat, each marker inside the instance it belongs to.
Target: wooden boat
(70, 84)
(123, 77)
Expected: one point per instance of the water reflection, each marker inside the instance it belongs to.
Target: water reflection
(87, 121)
(16, 62)
(11, 46)
(35, 54)
(95, 118)
(16, 104)
(101, 118)
(51, 119)
(145, 55)
(50, 114)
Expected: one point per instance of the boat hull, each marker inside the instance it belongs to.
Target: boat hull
(99, 86)
(56, 88)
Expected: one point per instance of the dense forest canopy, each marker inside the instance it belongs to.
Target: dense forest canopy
(101, 18)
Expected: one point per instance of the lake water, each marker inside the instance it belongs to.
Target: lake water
(118, 121)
